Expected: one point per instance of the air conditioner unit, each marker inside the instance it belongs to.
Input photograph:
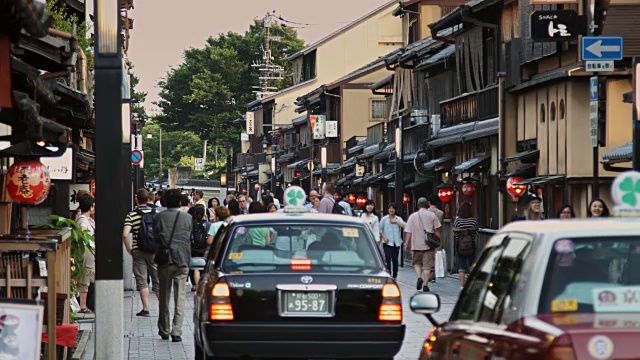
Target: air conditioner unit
(435, 124)
(419, 117)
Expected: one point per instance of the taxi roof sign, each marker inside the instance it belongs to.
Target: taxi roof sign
(625, 193)
(294, 197)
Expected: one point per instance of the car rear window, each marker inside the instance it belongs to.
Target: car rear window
(593, 275)
(298, 248)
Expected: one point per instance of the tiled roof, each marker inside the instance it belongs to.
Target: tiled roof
(620, 154)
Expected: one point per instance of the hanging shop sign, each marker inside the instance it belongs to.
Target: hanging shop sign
(28, 182)
(557, 25)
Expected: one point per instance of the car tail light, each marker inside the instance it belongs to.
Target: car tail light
(220, 305)
(301, 264)
(561, 349)
(427, 346)
(391, 306)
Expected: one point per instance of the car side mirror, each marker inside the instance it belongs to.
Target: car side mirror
(426, 304)
(197, 263)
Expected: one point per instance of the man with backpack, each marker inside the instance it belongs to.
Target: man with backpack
(328, 204)
(139, 223)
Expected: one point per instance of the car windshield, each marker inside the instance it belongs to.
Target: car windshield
(593, 275)
(297, 248)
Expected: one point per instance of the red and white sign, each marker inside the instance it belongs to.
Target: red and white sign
(136, 157)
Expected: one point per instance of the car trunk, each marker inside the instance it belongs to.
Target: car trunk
(608, 335)
(316, 298)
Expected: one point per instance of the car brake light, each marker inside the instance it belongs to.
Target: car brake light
(561, 349)
(390, 312)
(390, 291)
(220, 307)
(220, 290)
(301, 264)
(391, 305)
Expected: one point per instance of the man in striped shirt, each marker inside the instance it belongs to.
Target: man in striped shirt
(143, 262)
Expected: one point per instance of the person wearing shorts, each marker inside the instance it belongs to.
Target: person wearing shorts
(419, 224)
(85, 221)
(144, 265)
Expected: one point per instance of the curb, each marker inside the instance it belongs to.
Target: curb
(78, 353)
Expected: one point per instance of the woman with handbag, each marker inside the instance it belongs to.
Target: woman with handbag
(423, 238)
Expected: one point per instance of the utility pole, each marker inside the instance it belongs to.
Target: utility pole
(268, 71)
(204, 156)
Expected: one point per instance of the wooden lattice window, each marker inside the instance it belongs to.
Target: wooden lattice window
(378, 109)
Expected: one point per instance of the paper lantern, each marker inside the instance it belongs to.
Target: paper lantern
(337, 196)
(93, 188)
(513, 188)
(405, 199)
(28, 182)
(445, 193)
(468, 189)
(361, 201)
(351, 198)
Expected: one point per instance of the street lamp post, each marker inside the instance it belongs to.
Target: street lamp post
(228, 164)
(399, 176)
(323, 164)
(274, 163)
(110, 171)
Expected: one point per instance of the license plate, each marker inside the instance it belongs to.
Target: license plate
(306, 303)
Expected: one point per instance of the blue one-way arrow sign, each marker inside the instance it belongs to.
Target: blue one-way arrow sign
(604, 48)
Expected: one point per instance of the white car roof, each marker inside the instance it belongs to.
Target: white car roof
(612, 226)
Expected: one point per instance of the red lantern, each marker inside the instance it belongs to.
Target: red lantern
(93, 188)
(445, 193)
(513, 188)
(405, 199)
(361, 201)
(28, 182)
(351, 198)
(468, 189)
(337, 196)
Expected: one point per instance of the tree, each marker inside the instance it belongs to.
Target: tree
(175, 146)
(211, 88)
(137, 97)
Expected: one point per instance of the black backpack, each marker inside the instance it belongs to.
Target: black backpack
(199, 235)
(146, 241)
(466, 242)
(338, 209)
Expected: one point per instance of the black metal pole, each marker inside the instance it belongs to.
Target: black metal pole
(112, 183)
(228, 165)
(399, 183)
(274, 171)
(636, 118)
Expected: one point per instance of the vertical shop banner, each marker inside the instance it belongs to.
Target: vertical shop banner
(332, 129)
(319, 128)
(250, 123)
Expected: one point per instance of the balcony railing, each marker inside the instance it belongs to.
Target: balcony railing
(469, 107)
(376, 133)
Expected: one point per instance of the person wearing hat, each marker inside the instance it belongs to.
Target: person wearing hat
(419, 225)
(534, 209)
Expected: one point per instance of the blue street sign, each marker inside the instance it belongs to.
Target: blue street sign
(602, 48)
(593, 91)
(136, 157)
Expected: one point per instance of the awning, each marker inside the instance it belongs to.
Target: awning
(358, 180)
(299, 162)
(525, 156)
(286, 157)
(620, 154)
(451, 135)
(436, 58)
(253, 173)
(531, 181)
(382, 83)
(386, 153)
(483, 129)
(407, 158)
(345, 179)
(521, 170)
(370, 151)
(299, 120)
(433, 164)
(550, 180)
(359, 146)
(417, 183)
(268, 172)
(477, 164)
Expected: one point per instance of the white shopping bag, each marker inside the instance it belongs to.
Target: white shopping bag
(444, 261)
(439, 264)
(75, 307)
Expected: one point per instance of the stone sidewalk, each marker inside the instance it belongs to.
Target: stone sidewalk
(141, 340)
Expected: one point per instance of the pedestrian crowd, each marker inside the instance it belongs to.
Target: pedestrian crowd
(167, 228)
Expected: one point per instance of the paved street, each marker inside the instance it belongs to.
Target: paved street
(141, 340)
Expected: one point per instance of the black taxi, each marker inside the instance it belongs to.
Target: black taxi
(296, 285)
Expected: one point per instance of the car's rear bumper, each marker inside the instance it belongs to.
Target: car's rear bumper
(363, 341)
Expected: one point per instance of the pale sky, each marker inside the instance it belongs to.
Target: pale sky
(164, 28)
